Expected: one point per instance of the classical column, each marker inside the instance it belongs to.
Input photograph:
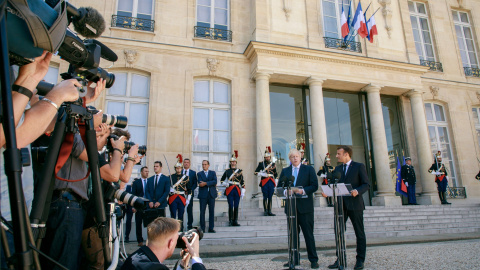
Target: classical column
(385, 186)
(317, 113)
(264, 123)
(424, 153)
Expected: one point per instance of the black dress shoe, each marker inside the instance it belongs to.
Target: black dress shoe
(287, 264)
(126, 240)
(358, 265)
(314, 265)
(334, 265)
(211, 231)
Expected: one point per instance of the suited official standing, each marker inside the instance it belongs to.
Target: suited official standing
(408, 175)
(139, 187)
(158, 187)
(207, 192)
(306, 178)
(353, 173)
(192, 175)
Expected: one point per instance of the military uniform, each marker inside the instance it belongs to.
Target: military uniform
(180, 194)
(478, 176)
(233, 180)
(267, 183)
(441, 179)
(408, 175)
(324, 170)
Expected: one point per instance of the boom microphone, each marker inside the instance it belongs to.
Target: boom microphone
(87, 21)
(106, 53)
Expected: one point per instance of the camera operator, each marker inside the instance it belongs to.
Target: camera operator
(39, 116)
(162, 240)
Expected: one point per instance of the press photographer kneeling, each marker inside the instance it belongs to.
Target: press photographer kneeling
(162, 239)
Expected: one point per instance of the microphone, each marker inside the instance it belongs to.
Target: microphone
(87, 21)
(106, 53)
(337, 175)
(329, 177)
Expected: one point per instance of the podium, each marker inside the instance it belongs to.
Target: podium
(292, 223)
(338, 191)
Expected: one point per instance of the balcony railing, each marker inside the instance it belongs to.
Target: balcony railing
(213, 33)
(470, 71)
(133, 23)
(343, 45)
(456, 193)
(434, 66)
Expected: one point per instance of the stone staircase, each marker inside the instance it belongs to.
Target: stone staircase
(380, 222)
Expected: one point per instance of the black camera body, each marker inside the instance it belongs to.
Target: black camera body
(142, 149)
(189, 235)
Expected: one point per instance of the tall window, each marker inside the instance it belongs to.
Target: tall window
(332, 10)
(213, 19)
(421, 31)
(476, 119)
(129, 97)
(440, 137)
(465, 40)
(211, 124)
(135, 14)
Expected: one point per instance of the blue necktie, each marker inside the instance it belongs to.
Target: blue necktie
(295, 174)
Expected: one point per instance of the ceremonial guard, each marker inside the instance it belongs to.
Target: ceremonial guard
(233, 180)
(303, 160)
(268, 173)
(441, 177)
(478, 176)
(324, 170)
(179, 193)
(408, 175)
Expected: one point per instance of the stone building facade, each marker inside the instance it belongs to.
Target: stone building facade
(204, 78)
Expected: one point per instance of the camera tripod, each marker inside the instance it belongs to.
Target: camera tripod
(66, 124)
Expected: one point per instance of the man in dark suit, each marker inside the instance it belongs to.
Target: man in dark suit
(138, 189)
(304, 177)
(158, 187)
(207, 192)
(353, 173)
(162, 239)
(192, 175)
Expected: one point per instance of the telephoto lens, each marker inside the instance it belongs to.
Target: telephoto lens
(118, 121)
(142, 150)
(130, 199)
(189, 236)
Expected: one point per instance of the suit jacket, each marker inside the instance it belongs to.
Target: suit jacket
(408, 174)
(128, 189)
(192, 175)
(137, 187)
(307, 179)
(210, 188)
(163, 188)
(358, 178)
(145, 259)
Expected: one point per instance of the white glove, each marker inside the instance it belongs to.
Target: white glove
(406, 184)
(323, 175)
(225, 183)
(172, 190)
(243, 193)
(187, 202)
(263, 174)
(276, 182)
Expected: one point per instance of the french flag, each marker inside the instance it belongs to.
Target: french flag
(344, 24)
(372, 27)
(359, 22)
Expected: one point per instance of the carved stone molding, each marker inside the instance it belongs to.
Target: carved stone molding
(387, 15)
(460, 3)
(287, 9)
(434, 91)
(212, 65)
(130, 57)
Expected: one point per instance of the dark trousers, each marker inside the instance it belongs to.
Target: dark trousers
(64, 233)
(190, 214)
(177, 206)
(356, 217)
(411, 193)
(128, 223)
(210, 201)
(138, 225)
(442, 185)
(305, 222)
(233, 198)
(268, 189)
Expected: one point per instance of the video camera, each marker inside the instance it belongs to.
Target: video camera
(142, 149)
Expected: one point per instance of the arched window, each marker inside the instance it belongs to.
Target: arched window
(129, 97)
(211, 124)
(438, 129)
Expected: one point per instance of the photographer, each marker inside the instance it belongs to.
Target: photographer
(162, 240)
(40, 115)
(132, 159)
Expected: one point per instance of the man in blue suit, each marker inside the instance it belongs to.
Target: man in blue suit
(192, 175)
(207, 192)
(306, 178)
(158, 187)
(139, 187)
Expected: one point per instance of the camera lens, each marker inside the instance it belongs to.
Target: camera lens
(128, 145)
(110, 79)
(142, 150)
(118, 121)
